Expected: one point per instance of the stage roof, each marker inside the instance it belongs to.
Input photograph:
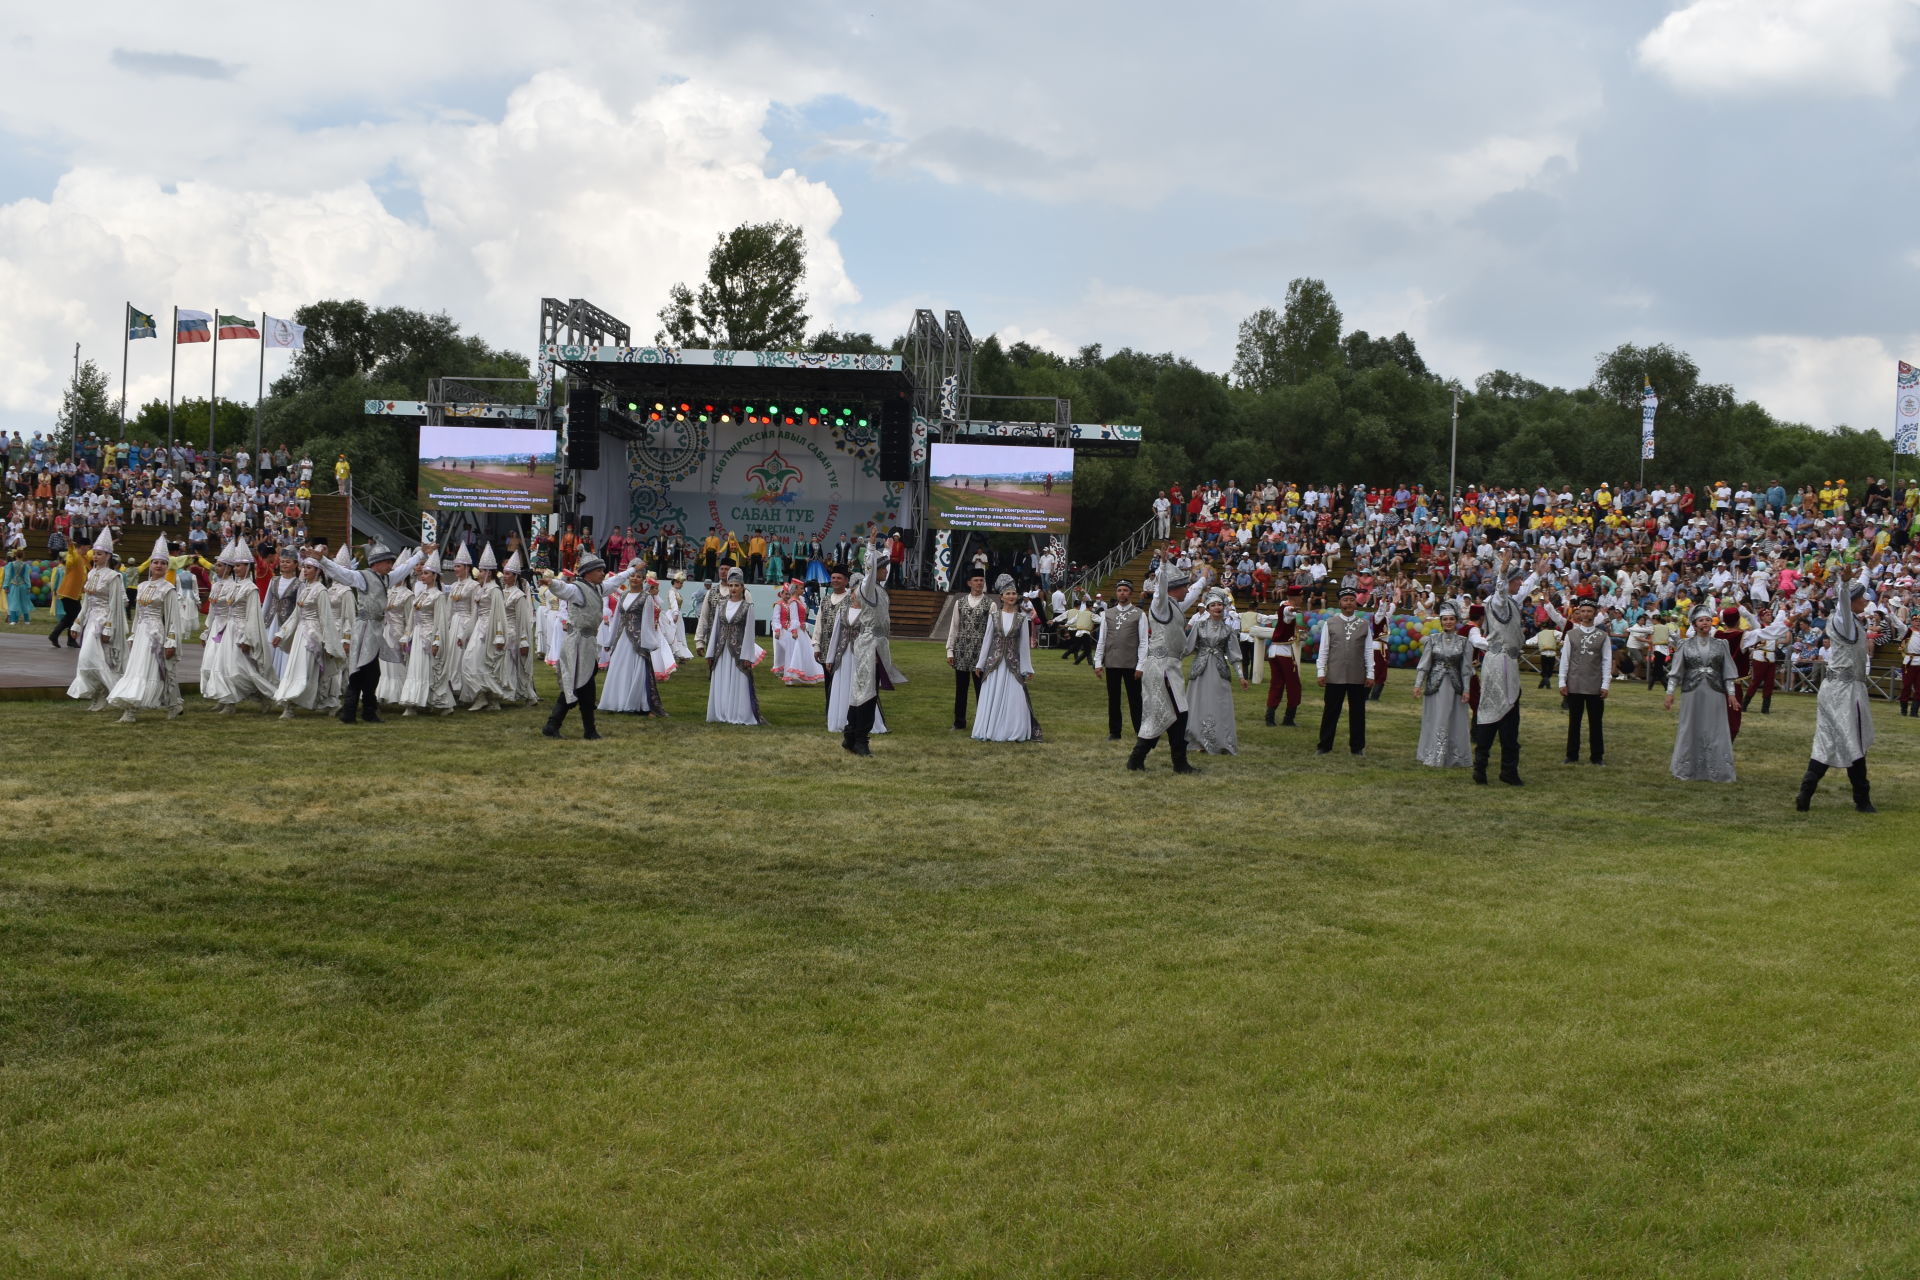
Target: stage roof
(656, 371)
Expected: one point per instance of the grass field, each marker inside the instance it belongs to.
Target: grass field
(434, 480)
(444, 998)
(1058, 505)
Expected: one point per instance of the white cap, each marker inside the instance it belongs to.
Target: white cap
(431, 564)
(104, 542)
(515, 564)
(160, 549)
(486, 557)
(464, 556)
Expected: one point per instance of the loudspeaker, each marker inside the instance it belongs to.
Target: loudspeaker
(896, 439)
(583, 429)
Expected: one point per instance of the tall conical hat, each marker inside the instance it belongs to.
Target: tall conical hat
(515, 564)
(104, 542)
(344, 555)
(464, 556)
(431, 564)
(160, 548)
(487, 560)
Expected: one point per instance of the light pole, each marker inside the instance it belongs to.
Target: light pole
(1453, 452)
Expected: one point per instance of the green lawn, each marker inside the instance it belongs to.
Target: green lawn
(444, 998)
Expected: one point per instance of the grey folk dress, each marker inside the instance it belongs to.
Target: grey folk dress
(1702, 672)
(1446, 721)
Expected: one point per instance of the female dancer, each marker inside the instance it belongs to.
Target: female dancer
(313, 643)
(520, 628)
(630, 684)
(102, 626)
(1704, 675)
(484, 680)
(151, 681)
(428, 684)
(1215, 642)
(277, 609)
(244, 666)
(396, 622)
(462, 592)
(1441, 683)
(1004, 710)
(731, 657)
(793, 659)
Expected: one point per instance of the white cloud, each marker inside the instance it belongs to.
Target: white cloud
(1822, 382)
(1842, 47)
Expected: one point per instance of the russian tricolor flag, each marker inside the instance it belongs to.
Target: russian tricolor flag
(193, 326)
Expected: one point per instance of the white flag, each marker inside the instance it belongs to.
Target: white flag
(283, 333)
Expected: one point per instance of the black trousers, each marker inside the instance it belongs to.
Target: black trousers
(1656, 669)
(963, 679)
(1118, 680)
(1593, 707)
(363, 682)
(69, 614)
(587, 696)
(1507, 729)
(1354, 698)
(1546, 669)
(860, 718)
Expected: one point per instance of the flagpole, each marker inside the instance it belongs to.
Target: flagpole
(126, 340)
(173, 373)
(213, 391)
(260, 392)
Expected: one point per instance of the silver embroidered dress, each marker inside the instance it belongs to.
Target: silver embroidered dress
(1210, 725)
(1446, 721)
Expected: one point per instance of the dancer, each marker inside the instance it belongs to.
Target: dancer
(395, 623)
(1213, 640)
(1909, 675)
(1734, 635)
(370, 645)
(1704, 675)
(1843, 710)
(314, 644)
(1283, 667)
(246, 668)
(151, 681)
(833, 609)
(463, 594)
(520, 629)
(966, 629)
(485, 677)
(277, 608)
(863, 645)
(582, 595)
(793, 659)
(102, 626)
(631, 687)
(340, 600)
(1163, 699)
(1440, 683)
(1117, 656)
(428, 684)
(732, 654)
(1500, 637)
(213, 628)
(1764, 644)
(1382, 625)
(1586, 674)
(1345, 669)
(1003, 662)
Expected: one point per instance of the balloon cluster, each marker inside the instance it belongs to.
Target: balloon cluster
(1404, 633)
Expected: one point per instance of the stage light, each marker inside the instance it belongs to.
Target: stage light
(709, 408)
(658, 405)
(773, 408)
(679, 417)
(812, 421)
(685, 407)
(703, 417)
(788, 420)
(653, 417)
(863, 422)
(632, 407)
(726, 418)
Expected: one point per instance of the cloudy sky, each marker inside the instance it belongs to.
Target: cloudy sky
(1519, 186)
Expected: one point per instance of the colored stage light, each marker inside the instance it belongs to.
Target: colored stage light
(679, 417)
(863, 422)
(703, 417)
(653, 417)
(685, 407)
(658, 405)
(709, 408)
(632, 407)
(773, 408)
(812, 421)
(726, 417)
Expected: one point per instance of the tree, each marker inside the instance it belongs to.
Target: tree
(847, 342)
(1308, 340)
(751, 299)
(86, 408)
(1256, 354)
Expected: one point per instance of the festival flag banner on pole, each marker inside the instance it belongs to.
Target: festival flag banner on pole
(1906, 410)
(1649, 403)
(284, 333)
(232, 327)
(140, 324)
(193, 326)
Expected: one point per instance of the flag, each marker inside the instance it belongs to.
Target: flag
(285, 333)
(193, 327)
(234, 327)
(1906, 410)
(1649, 402)
(140, 324)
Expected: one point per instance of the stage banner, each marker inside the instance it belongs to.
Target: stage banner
(1906, 410)
(1649, 403)
(818, 482)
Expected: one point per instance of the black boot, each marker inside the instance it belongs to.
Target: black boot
(1179, 748)
(344, 715)
(847, 740)
(1857, 775)
(1766, 705)
(1142, 747)
(1286, 721)
(1815, 772)
(1269, 717)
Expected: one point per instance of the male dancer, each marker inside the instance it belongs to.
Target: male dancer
(1163, 690)
(965, 629)
(1730, 631)
(1283, 667)
(868, 653)
(1910, 675)
(370, 645)
(1764, 644)
(1843, 709)
(1119, 654)
(1500, 636)
(583, 594)
(1586, 673)
(1382, 624)
(1345, 669)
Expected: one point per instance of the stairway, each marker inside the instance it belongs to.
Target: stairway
(913, 612)
(326, 518)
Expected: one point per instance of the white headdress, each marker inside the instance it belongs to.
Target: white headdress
(431, 564)
(242, 553)
(104, 542)
(160, 548)
(344, 555)
(515, 564)
(464, 556)
(486, 557)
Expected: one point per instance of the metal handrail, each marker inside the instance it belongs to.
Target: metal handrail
(1134, 543)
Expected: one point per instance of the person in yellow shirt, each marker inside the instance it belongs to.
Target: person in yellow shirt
(757, 557)
(342, 476)
(66, 601)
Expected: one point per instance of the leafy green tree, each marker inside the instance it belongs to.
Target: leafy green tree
(1256, 352)
(1309, 333)
(848, 342)
(750, 300)
(86, 409)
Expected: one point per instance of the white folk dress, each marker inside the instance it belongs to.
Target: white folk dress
(730, 645)
(1004, 711)
(103, 635)
(151, 681)
(314, 647)
(428, 683)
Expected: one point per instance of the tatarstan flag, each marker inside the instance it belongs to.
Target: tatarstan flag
(235, 327)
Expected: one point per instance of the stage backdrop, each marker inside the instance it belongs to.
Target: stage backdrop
(816, 482)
